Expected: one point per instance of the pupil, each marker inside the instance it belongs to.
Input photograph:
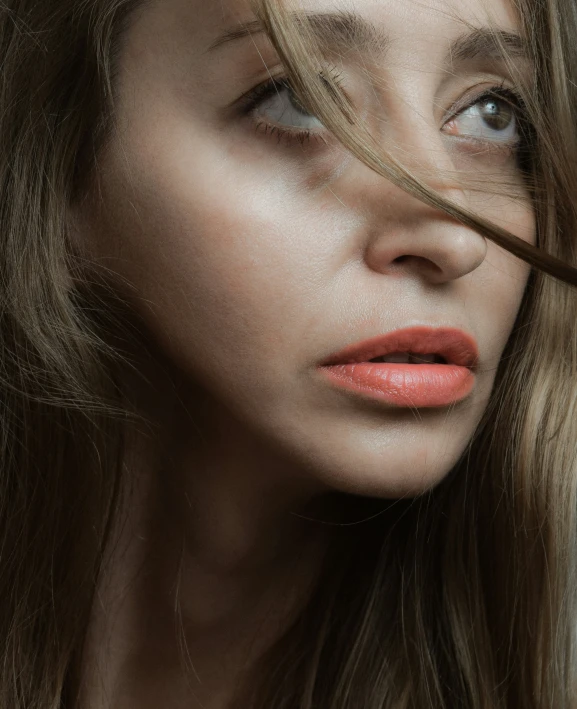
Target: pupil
(497, 114)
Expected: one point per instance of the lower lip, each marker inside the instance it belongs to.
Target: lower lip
(405, 385)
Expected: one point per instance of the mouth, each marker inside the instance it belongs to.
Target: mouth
(410, 358)
(415, 345)
(415, 367)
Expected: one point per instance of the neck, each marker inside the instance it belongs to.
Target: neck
(217, 551)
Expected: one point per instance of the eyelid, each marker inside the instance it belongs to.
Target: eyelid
(507, 93)
(250, 97)
(267, 87)
(472, 97)
(249, 102)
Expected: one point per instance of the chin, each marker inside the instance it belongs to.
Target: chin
(391, 471)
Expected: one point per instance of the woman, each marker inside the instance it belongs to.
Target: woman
(288, 354)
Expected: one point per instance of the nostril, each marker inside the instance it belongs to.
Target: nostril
(400, 259)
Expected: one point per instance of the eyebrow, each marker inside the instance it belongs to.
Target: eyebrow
(488, 44)
(344, 30)
(349, 30)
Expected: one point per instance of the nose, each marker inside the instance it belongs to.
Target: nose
(423, 241)
(404, 235)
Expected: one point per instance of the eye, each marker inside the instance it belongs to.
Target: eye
(274, 108)
(494, 117)
(281, 107)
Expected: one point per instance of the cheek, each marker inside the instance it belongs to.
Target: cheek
(226, 265)
(244, 278)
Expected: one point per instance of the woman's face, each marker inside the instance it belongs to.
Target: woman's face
(255, 249)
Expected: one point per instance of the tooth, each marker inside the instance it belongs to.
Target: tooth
(423, 358)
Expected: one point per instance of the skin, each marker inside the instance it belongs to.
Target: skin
(249, 260)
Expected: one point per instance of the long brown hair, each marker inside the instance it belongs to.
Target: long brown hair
(462, 597)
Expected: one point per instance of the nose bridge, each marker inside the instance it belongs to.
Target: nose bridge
(408, 127)
(403, 233)
(407, 130)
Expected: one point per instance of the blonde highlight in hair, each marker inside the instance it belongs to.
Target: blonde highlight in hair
(302, 57)
(467, 598)
(461, 598)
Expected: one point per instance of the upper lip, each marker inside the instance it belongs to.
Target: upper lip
(455, 346)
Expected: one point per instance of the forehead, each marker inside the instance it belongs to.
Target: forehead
(421, 22)
(406, 16)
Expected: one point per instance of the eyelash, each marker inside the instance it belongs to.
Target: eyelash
(252, 100)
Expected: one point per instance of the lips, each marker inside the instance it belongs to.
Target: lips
(423, 367)
(454, 346)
